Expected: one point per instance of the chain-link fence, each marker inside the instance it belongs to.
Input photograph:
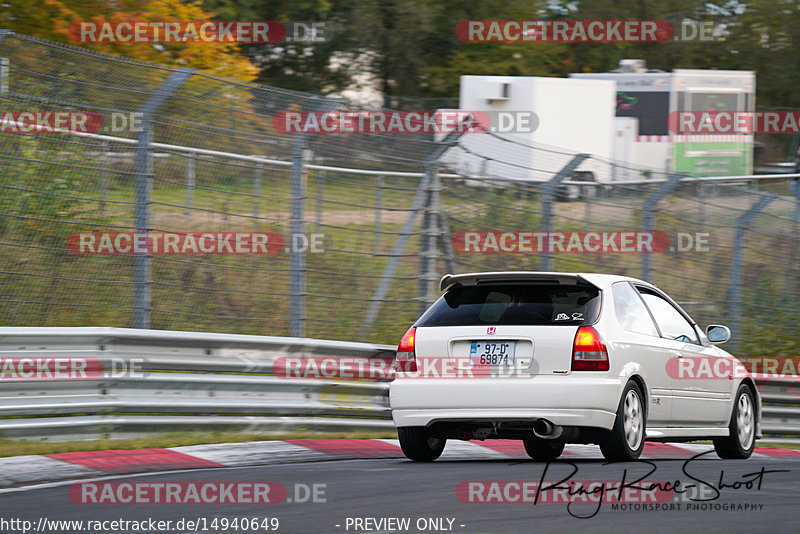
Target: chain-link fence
(359, 227)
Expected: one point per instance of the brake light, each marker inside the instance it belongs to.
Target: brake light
(589, 353)
(406, 359)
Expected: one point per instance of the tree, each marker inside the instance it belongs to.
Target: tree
(51, 19)
(408, 48)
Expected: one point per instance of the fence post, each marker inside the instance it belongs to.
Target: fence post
(431, 234)
(402, 240)
(548, 194)
(103, 176)
(647, 215)
(793, 272)
(735, 290)
(320, 193)
(445, 236)
(701, 202)
(144, 193)
(378, 210)
(141, 262)
(587, 215)
(5, 72)
(4, 34)
(258, 173)
(297, 258)
(190, 178)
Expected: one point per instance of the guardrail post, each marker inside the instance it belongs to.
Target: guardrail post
(548, 195)
(735, 290)
(4, 34)
(144, 193)
(405, 232)
(647, 215)
(297, 258)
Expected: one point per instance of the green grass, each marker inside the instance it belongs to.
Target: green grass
(771, 443)
(778, 445)
(10, 447)
(223, 293)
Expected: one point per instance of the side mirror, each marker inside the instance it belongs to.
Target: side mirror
(718, 333)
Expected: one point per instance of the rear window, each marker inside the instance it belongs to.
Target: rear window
(539, 304)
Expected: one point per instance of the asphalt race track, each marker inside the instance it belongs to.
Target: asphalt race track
(761, 494)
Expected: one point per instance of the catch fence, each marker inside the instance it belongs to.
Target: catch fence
(363, 225)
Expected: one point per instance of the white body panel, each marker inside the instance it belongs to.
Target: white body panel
(422, 402)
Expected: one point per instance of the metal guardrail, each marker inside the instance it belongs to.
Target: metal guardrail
(780, 415)
(781, 167)
(185, 380)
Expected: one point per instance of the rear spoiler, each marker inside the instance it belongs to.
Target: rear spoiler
(469, 279)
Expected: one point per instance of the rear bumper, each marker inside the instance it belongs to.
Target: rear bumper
(574, 400)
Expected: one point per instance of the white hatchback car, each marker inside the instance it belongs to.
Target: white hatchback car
(555, 358)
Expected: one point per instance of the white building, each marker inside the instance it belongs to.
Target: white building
(573, 116)
(647, 98)
(619, 116)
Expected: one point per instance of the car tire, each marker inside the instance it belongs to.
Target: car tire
(419, 445)
(742, 436)
(625, 441)
(543, 450)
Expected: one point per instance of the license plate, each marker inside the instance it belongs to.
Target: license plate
(496, 353)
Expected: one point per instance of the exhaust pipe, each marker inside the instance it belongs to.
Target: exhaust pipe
(544, 429)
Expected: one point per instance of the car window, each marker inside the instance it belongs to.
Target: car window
(521, 304)
(670, 321)
(494, 306)
(631, 312)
